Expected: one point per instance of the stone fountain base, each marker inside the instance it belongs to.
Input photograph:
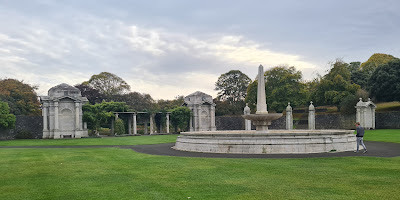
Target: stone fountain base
(273, 142)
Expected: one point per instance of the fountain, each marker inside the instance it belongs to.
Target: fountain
(264, 141)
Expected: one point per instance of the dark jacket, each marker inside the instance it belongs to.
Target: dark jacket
(360, 131)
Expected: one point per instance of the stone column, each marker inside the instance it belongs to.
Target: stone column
(289, 117)
(212, 115)
(198, 117)
(311, 117)
(45, 114)
(261, 100)
(191, 121)
(151, 124)
(56, 128)
(145, 127)
(373, 118)
(129, 125)
(167, 122)
(247, 123)
(134, 124)
(77, 127)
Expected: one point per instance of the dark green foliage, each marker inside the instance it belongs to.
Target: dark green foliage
(100, 114)
(232, 86)
(136, 101)
(21, 97)
(226, 108)
(7, 120)
(384, 84)
(119, 127)
(180, 118)
(334, 86)
(283, 84)
(93, 95)
(347, 104)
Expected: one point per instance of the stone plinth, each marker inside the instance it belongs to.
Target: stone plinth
(274, 142)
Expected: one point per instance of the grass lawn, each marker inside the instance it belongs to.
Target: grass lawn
(383, 135)
(129, 140)
(113, 173)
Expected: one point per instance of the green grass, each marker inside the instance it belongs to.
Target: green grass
(124, 174)
(113, 173)
(129, 140)
(383, 135)
(388, 106)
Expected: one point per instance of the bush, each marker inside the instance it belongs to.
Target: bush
(119, 127)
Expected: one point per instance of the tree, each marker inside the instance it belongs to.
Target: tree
(7, 120)
(21, 97)
(283, 84)
(335, 85)
(108, 84)
(180, 117)
(100, 114)
(233, 86)
(93, 95)
(136, 101)
(374, 61)
(384, 84)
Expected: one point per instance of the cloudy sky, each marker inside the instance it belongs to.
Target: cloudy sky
(169, 48)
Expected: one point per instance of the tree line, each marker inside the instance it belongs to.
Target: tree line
(342, 86)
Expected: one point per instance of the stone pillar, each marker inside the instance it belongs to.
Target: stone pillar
(56, 131)
(45, 114)
(145, 127)
(167, 122)
(151, 124)
(311, 117)
(84, 125)
(198, 118)
(212, 116)
(134, 124)
(77, 124)
(373, 118)
(191, 122)
(261, 100)
(247, 123)
(129, 125)
(289, 117)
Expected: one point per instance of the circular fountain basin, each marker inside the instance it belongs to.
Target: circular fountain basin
(273, 142)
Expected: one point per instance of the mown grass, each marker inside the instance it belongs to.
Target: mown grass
(129, 140)
(124, 174)
(113, 173)
(383, 135)
(388, 106)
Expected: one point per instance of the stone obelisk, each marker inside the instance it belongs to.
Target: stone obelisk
(261, 100)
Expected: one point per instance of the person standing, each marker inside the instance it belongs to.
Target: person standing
(360, 135)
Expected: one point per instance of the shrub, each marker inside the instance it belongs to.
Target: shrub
(119, 127)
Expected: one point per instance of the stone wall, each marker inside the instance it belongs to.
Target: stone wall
(384, 120)
(26, 127)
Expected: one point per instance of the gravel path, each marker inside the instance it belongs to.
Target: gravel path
(375, 149)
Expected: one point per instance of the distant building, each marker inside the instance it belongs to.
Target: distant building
(203, 110)
(62, 112)
(365, 113)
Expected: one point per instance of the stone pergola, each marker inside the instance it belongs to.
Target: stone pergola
(132, 122)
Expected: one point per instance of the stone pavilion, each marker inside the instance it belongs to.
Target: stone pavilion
(62, 112)
(203, 110)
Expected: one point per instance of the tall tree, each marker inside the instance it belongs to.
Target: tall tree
(232, 86)
(374, 61)
(21, 97)
(136, 101)
(108, 84)
(93, 95)
(283, 84)
(7, 120)
(384, 84)
(335, 85)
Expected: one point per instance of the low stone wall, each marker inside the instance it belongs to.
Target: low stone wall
(383, 120)
(26, 127)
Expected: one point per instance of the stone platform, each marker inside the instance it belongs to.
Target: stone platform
(273, 142)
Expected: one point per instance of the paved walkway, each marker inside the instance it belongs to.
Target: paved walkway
(375, 149)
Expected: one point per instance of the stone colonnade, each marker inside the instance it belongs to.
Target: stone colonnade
(132, 122)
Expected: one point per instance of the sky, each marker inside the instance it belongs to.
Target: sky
(168, 48)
